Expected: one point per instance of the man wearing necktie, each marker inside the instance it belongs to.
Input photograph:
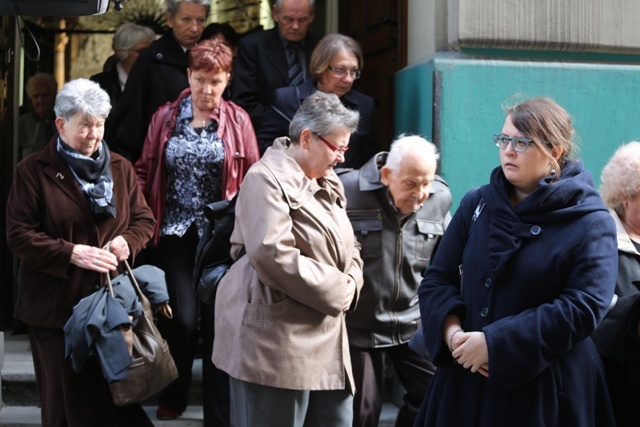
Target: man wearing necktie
(267, 60)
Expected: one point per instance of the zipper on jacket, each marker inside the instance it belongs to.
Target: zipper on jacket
(398, 281)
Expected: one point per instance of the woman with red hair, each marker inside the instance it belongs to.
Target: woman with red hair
(197, 151)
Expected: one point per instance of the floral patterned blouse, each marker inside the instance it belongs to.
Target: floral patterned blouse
(193, 159)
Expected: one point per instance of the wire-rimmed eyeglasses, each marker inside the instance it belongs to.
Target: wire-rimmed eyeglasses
(342, 72)
(332, 147)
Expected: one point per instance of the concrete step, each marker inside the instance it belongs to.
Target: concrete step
(29, 416)
(20, 397)
(19, 380)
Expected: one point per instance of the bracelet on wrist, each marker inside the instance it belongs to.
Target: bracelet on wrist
(451, 338)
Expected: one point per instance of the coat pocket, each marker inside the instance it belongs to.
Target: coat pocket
(429, 233)
(367, 226)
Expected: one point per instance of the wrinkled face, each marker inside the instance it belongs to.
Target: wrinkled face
(188, 23)
(410, 184)
(524, 170)
(321, 158)
(82, 133)
(293, 18)
(207, 87)
(330, 82)
(42, 99)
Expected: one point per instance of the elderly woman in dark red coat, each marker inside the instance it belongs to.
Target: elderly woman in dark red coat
(74, 212)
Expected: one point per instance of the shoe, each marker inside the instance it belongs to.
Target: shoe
(163, 413)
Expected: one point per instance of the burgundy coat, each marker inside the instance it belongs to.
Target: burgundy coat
(47, 215)
(240, 145)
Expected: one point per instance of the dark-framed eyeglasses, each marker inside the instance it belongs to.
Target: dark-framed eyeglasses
(342, 72)
(519, 143)
(332, 147)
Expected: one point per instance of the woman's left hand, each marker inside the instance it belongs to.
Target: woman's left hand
(351, 292)
(119, 247)
(473, 354)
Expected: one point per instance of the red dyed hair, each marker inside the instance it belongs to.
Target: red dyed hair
(210, 55)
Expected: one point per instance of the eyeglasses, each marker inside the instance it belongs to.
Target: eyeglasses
(518, 143)
(332, 147)
(342, 72)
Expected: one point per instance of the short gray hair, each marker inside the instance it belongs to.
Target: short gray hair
(410, 144)
(174, 5)
(128, 35)
(46, 78)
(620, 178)
(278, 4)
(322, 113)
(82, 96)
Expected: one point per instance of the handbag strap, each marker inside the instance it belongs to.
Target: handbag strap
(146, 305)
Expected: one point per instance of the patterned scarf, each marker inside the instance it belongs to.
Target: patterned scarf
(94, 175)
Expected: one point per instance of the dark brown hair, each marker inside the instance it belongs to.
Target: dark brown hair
(548, 125)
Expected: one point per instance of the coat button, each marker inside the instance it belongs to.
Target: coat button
(535, 230)
(158, 55)
(487, 283)
(484, 312)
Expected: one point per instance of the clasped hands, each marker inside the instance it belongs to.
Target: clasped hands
(469, 349)
(101, 260)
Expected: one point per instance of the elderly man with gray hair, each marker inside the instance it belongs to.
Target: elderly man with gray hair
(399, 209)
(37, 127)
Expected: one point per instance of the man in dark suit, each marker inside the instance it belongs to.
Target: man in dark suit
(157, 77)
(261, 65)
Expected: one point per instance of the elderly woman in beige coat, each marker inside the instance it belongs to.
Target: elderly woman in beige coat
(280, 311)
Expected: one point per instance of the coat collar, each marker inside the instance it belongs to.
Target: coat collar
(222, 111)
(624, 242)
(60, 175)
(296, 186)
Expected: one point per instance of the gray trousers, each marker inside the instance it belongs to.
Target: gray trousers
(257, 405)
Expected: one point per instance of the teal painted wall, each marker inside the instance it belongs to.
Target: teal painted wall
(603, 99)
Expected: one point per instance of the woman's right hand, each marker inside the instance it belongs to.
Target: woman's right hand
(93, 258)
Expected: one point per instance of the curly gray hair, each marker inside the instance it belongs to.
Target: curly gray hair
(620, 178)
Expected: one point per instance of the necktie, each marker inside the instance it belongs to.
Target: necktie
(295, 70)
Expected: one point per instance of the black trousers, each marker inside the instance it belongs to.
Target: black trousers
(176, 256)
(369, 371)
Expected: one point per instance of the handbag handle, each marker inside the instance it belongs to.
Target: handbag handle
(132, 277)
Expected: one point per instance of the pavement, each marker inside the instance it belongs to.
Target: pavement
(20, 399)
